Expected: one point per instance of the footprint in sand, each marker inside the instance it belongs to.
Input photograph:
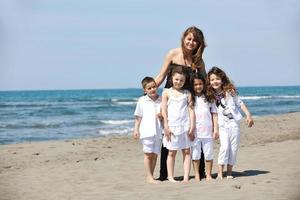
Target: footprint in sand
(237, 187)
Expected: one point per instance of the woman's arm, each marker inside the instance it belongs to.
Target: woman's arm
(164, 69)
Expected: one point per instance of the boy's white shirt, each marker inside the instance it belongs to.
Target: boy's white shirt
(148, 109)
(203, 110)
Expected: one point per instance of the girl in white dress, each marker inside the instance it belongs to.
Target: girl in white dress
(179, 123)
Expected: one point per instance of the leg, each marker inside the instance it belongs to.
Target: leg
(196, 164)
(229, 171)
(170, 165)
(207, 146)
(186, 154)
(153, 162)
(202, 166)
(223, 156)
(148, 167)
(234, 143)
(163, 164)
(220, 172)
(209, 165)
(196, 154)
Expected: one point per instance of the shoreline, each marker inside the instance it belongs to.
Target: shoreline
(112, 167)
(243, 128)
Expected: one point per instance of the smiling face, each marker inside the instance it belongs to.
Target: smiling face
(178, 81)
(198, 86)
(190, 42)
(215, 82)
(151, 89)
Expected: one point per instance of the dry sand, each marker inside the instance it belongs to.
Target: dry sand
(112, 168)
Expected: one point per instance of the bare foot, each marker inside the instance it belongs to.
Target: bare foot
(185, 181)
(197, 179)
(229, 177)
(208, 178)
(172, 180)
(153, 181)
(219, 177)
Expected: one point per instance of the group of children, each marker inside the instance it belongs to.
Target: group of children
(190, 122)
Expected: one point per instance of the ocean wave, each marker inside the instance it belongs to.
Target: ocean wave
(126, 131)
(129, 101)
(116, 122)
(47, 104)
(270, 97)
(289, 96)
(122, 100)
(33, 126)
(255, 97)
(24, 104)
(126, 103)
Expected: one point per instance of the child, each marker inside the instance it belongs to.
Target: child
(206, 126)
(228, 103)
(178, 116)
(147, 125)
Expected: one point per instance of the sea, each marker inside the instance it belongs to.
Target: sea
(27, 116)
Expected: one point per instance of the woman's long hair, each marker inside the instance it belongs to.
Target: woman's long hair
(196, 55)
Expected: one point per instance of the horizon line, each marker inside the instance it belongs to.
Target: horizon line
(70, 89)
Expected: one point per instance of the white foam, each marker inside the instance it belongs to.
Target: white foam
(126, 103)
(289, 96)
(115, 132)
(116, 122)
(270, 97)
(255, 97)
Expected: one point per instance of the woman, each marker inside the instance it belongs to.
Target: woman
(189, 57)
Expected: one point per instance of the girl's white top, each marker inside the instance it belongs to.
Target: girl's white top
(229, 109)
(148, 110)
(178, 115)
(203, 111)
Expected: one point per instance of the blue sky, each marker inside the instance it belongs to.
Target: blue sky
(67, 44)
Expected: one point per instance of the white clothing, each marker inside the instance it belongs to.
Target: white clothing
(178, 121)
(178, 142)
(229, 109)
(207, 147)
(229, 140)
(229, 117)
(234, 105)
(148, 109)
(151, 144)
(203, 112)
(178, 115)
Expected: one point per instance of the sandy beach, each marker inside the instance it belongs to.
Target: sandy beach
(112, 168)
